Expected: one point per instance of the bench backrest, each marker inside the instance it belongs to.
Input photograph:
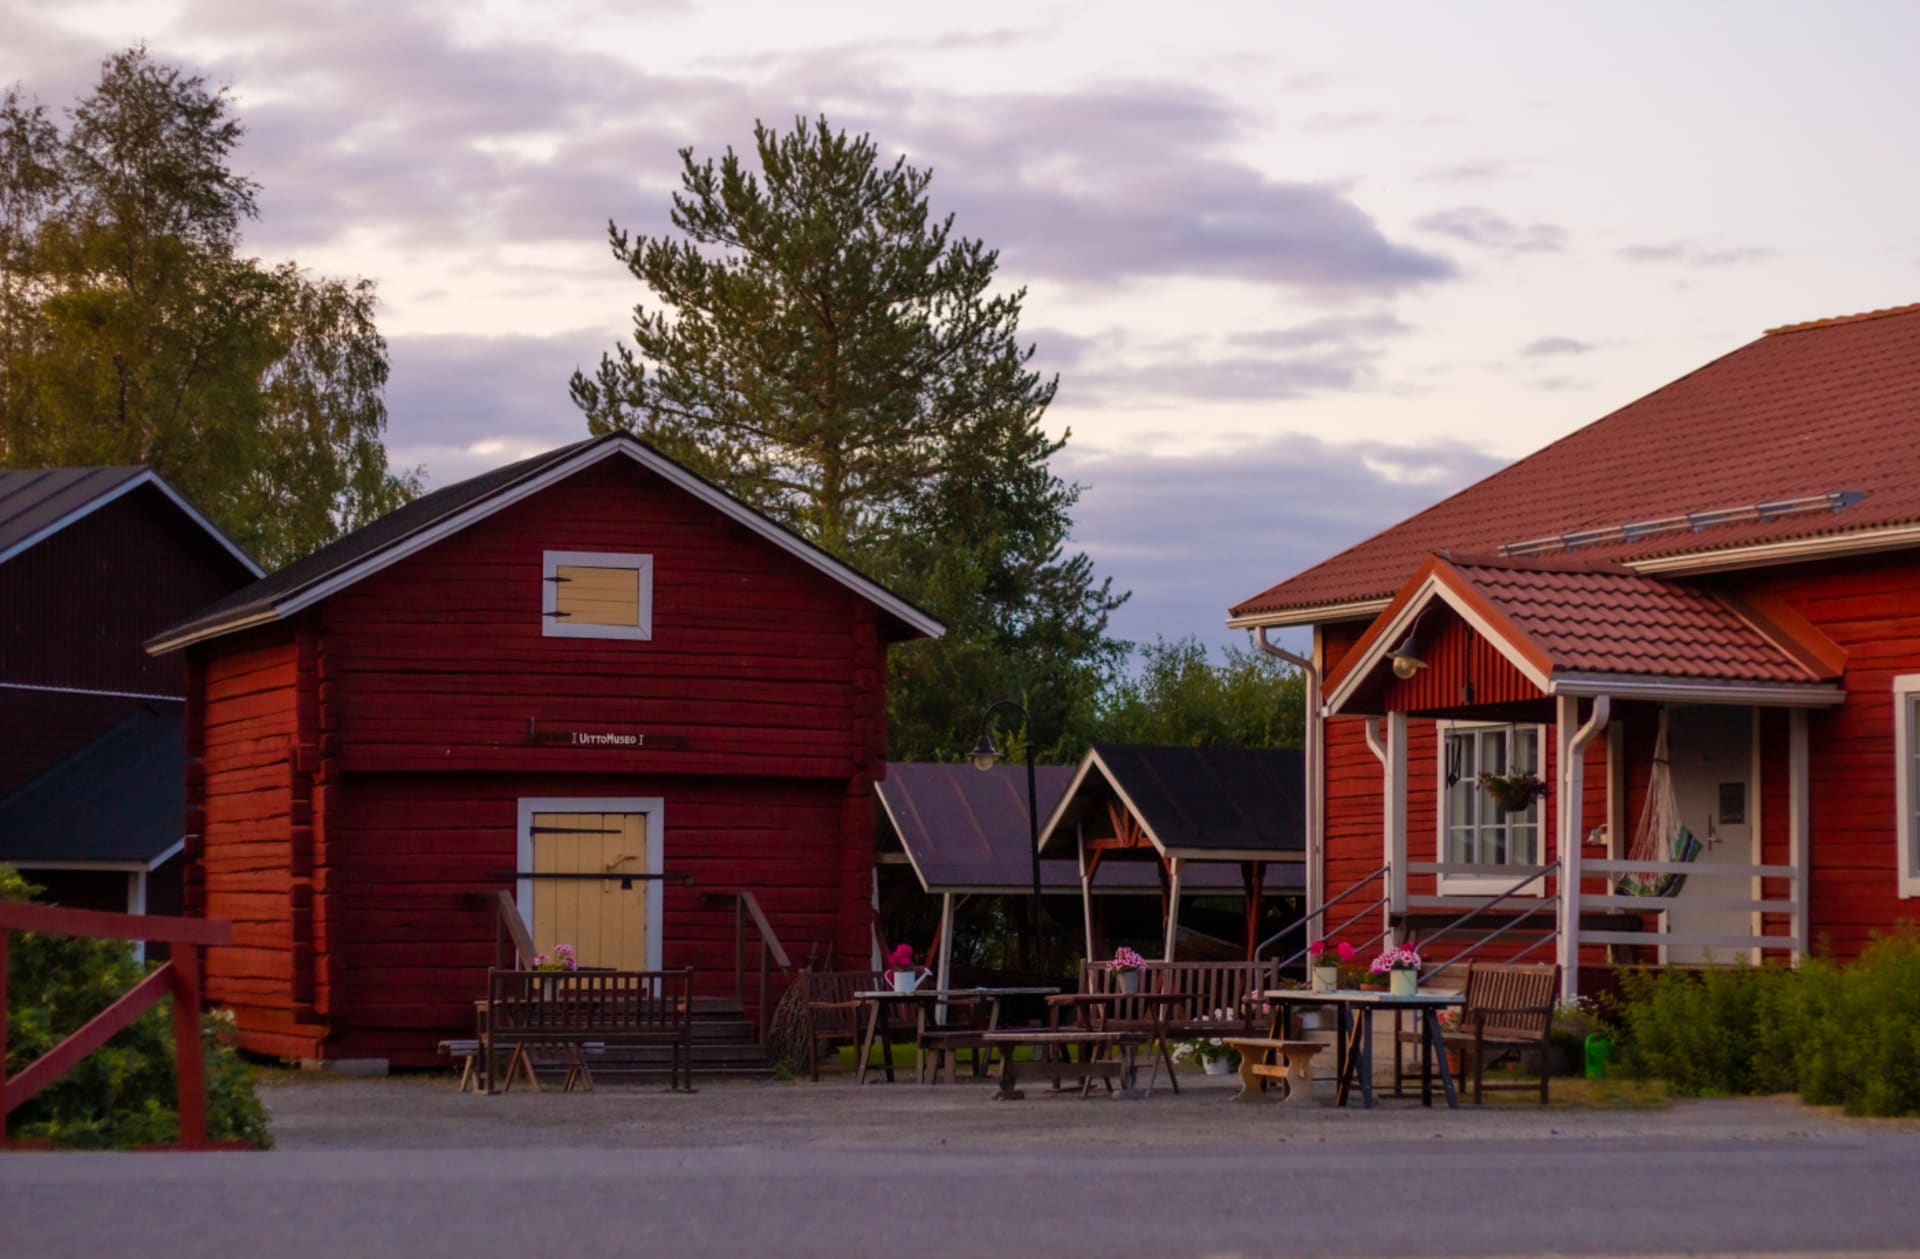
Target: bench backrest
(835, 988)
(1518, 998)
(1212, 987)
(602, 1004)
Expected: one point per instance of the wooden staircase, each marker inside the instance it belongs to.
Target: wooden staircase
(725, 1045)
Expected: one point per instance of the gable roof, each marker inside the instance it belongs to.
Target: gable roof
(431, 517)
(1807, 411)
(1583, 626)
(965, 831)
(119, 799)
(1206, 803)
(36, 503)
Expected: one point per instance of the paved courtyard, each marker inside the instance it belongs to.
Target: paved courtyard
(408, 1167)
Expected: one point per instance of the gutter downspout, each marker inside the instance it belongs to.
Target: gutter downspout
(1316, 856)
(1573, 751)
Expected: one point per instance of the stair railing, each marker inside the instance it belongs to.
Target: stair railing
(769, 952)
(1300, 924)
(1544, 907)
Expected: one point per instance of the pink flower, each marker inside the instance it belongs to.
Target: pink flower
(901, 958)
(1347, 951)
(1126, 959)
(1316, 948)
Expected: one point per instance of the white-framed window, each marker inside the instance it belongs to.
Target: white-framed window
(1906, 759)
(1474, 830)
(596, 594)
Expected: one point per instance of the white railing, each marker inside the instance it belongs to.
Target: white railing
(1793, 907)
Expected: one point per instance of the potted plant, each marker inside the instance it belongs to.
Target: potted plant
(901, 970)
(560, 961)
(1401, 966)
(1513, 792)
(1126, 967)
(1326, 973)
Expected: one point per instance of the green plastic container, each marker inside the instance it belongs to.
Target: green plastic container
(1599, 1053)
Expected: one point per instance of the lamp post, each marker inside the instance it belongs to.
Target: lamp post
(985, 756)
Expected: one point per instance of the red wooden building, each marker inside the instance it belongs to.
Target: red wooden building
(1735, 558)
(93, 561)
(590, 663)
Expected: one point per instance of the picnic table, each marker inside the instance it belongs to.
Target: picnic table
(1353, 1042)
(881, 1002)
(1093, 1064)
(1159, 1008)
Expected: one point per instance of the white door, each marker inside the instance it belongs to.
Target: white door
(1712, 760)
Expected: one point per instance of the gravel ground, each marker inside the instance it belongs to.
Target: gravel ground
(426, 1112)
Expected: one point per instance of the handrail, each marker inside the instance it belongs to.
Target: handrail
(508, 925)
(1491, 936)
(1300, 923)
(1485, 905)
(746, 909)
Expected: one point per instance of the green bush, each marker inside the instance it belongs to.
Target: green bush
(122, 1094)
(1838, 1035)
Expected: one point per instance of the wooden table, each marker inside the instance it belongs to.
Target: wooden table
(881, 1001)
(1161, 1004)
(1091, 1067)
(1353, 1044)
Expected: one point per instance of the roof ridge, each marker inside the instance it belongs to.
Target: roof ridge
(1835, 321)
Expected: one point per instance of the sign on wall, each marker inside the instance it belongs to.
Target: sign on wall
(605, 736)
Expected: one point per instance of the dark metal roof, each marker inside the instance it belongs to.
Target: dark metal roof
(259, 601)
(120, 798)
(1196, 801)
(35, 500)
(966, 831)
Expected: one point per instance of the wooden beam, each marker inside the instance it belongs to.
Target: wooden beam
(58, 920)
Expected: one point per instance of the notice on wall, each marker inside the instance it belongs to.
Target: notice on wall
(602, 736)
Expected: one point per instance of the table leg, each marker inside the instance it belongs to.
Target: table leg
(1366, 1057)
(1342, 1055)
(1426, 1059)
(886, 1039)
(865, 1053)
(1438, 1047)
(1009, 1090)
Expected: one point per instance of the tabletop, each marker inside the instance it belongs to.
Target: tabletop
(1363, 996)
(950, 994)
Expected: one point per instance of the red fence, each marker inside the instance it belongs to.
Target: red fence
(178, 976)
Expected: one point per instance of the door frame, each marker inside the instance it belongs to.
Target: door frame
(1756, 842)
(655, 809)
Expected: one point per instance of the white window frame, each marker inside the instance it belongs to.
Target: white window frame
(1906, 777)
(655, 809)
(552, 626)
(1468, 885)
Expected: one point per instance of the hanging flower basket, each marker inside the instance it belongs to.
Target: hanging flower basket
(1513, 792)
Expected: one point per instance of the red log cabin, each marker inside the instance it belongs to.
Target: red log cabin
(1731, 563)
(589, 663)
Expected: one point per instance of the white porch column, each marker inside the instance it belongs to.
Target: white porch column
(1394, 810)
(1798, 818)
(943, 978)
(1567, 841)
(1086, 889)
(1316, 825)
(1176, 868)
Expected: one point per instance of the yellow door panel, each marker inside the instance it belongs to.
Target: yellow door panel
(604, 922)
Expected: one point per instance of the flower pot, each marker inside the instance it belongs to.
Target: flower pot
(1404, 983)
(1129, 980)
(1326, 978)
(907, 980)
(1310, 1020)
(1217, 1066)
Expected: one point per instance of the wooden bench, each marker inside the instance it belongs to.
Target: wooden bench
(1221, 997)
(1508, 1012)
(1257, 1066)
(467, 1051)
(1094, 1063)
(567, 1011)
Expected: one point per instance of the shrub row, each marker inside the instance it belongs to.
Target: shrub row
(1846, 1035)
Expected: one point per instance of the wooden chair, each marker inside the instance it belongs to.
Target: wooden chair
(1508, 1014)
(833, 1015)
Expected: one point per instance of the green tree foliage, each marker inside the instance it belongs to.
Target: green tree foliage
(826, 350)
(1177, 695)
(132, 331)
(122, 1094)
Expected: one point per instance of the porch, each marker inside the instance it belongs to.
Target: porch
(1597, 692)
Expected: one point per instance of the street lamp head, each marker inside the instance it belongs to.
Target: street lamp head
(984, 755)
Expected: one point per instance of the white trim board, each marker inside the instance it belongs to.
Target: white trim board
(551, 626)
(473, 513)
(655, 809)
(1906, 779)
(146, 476)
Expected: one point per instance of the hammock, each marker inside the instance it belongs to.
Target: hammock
(1661, 835)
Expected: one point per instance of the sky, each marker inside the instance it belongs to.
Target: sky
(1302, 269)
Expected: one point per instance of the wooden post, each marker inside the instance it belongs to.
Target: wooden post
(190, 1078)
(1086, 887)
(1254, 875)
(5, 1110)
(943, 980)
(1177, 868)
(1798, 821)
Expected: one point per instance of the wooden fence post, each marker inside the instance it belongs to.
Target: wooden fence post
(189, 1065)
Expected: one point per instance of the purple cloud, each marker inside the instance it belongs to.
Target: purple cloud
(1477, 225)
(1549, 347)
(1692, 254)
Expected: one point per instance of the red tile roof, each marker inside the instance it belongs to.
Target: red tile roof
(1610, 620)
(1832, 405)
(1586, 617)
